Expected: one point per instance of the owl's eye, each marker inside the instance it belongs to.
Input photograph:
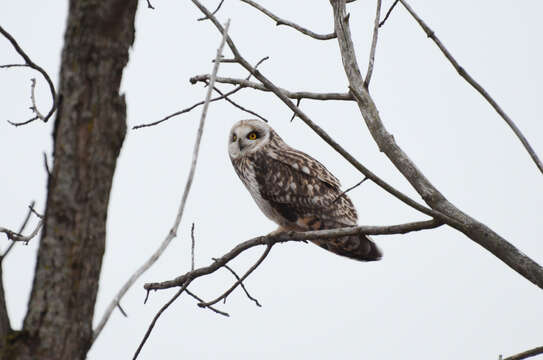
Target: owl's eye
(234, 137)
(252, 135)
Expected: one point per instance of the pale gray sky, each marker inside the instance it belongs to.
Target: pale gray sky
(435, 294)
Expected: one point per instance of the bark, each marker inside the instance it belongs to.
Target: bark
(89, 132)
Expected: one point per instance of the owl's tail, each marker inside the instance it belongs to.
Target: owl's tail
(357, 247)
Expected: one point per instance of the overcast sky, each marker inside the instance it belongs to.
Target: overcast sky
(435, 294)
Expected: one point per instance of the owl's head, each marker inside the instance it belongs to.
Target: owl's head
(248, 136)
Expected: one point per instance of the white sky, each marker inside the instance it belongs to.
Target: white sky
(435, 294)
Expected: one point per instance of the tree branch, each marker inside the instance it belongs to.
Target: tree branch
(526, 354)
(292, 95)
(365, 171)
(13, 236)
(388, 13)
(241, 283)
(223, 96)
(279, 21)
(173, 231)
(282, 237)
(464, 74)
(240, 280)
(373, 45)
(5, 325)
(31, 64)
(475, 230)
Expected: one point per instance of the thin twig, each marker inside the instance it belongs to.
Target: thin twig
(173, 231)
(225, 97)
(192, 247)
(201, 102)
(526, 354)
(289, 94)
(279, 21)
(463, 73)
(213, 13)
(122, 310)
(349, 189)
(241, 284)
(209, 307)
(21, 229)
(46, 164)
(149, 6)
(240, 280)
(388, 13)
(373, 45)
(288, 236)
(152, 325)
(297, 105)
(38, 68)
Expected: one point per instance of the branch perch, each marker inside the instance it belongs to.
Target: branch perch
(282, 237)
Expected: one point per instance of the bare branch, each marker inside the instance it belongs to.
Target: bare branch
(447, 212)
(277, 91)
(173, 231)
(526, 354)
(192, 247)
(292, 95)
(209, 307)
(351, 188)
(152, 325)
(297, 105)
(279, 21)
(240, 280)
(38, 68)
(241, 284)
(213, 13)
(13, 236)
(21, 229)
(388, 13)
(282, 237)
(373, 45)
(225, 97)
(201, 102)
(149, 6)
(463, 73)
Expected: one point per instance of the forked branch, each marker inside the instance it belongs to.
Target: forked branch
(464, 74)
(29, 63)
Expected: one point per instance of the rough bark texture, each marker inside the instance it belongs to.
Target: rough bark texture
(454, 217)
(89, 132)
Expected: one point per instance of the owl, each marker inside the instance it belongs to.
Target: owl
(294, 190)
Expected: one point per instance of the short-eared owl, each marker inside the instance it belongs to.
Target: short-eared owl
(294, 190)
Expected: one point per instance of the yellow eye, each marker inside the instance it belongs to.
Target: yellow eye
(252, 136)
(234, 137)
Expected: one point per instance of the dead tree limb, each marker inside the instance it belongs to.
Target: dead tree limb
(470, 80)
(472, 228)
(29, 63)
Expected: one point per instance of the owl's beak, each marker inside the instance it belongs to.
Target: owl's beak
(240, 145)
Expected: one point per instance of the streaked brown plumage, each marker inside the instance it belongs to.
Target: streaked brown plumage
(294, 190)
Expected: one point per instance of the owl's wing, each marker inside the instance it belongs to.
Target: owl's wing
(302, 190)
(304, 163)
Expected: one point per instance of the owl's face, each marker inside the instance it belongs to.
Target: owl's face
(246, 137)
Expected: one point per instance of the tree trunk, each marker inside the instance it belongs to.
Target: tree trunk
(89, 132)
